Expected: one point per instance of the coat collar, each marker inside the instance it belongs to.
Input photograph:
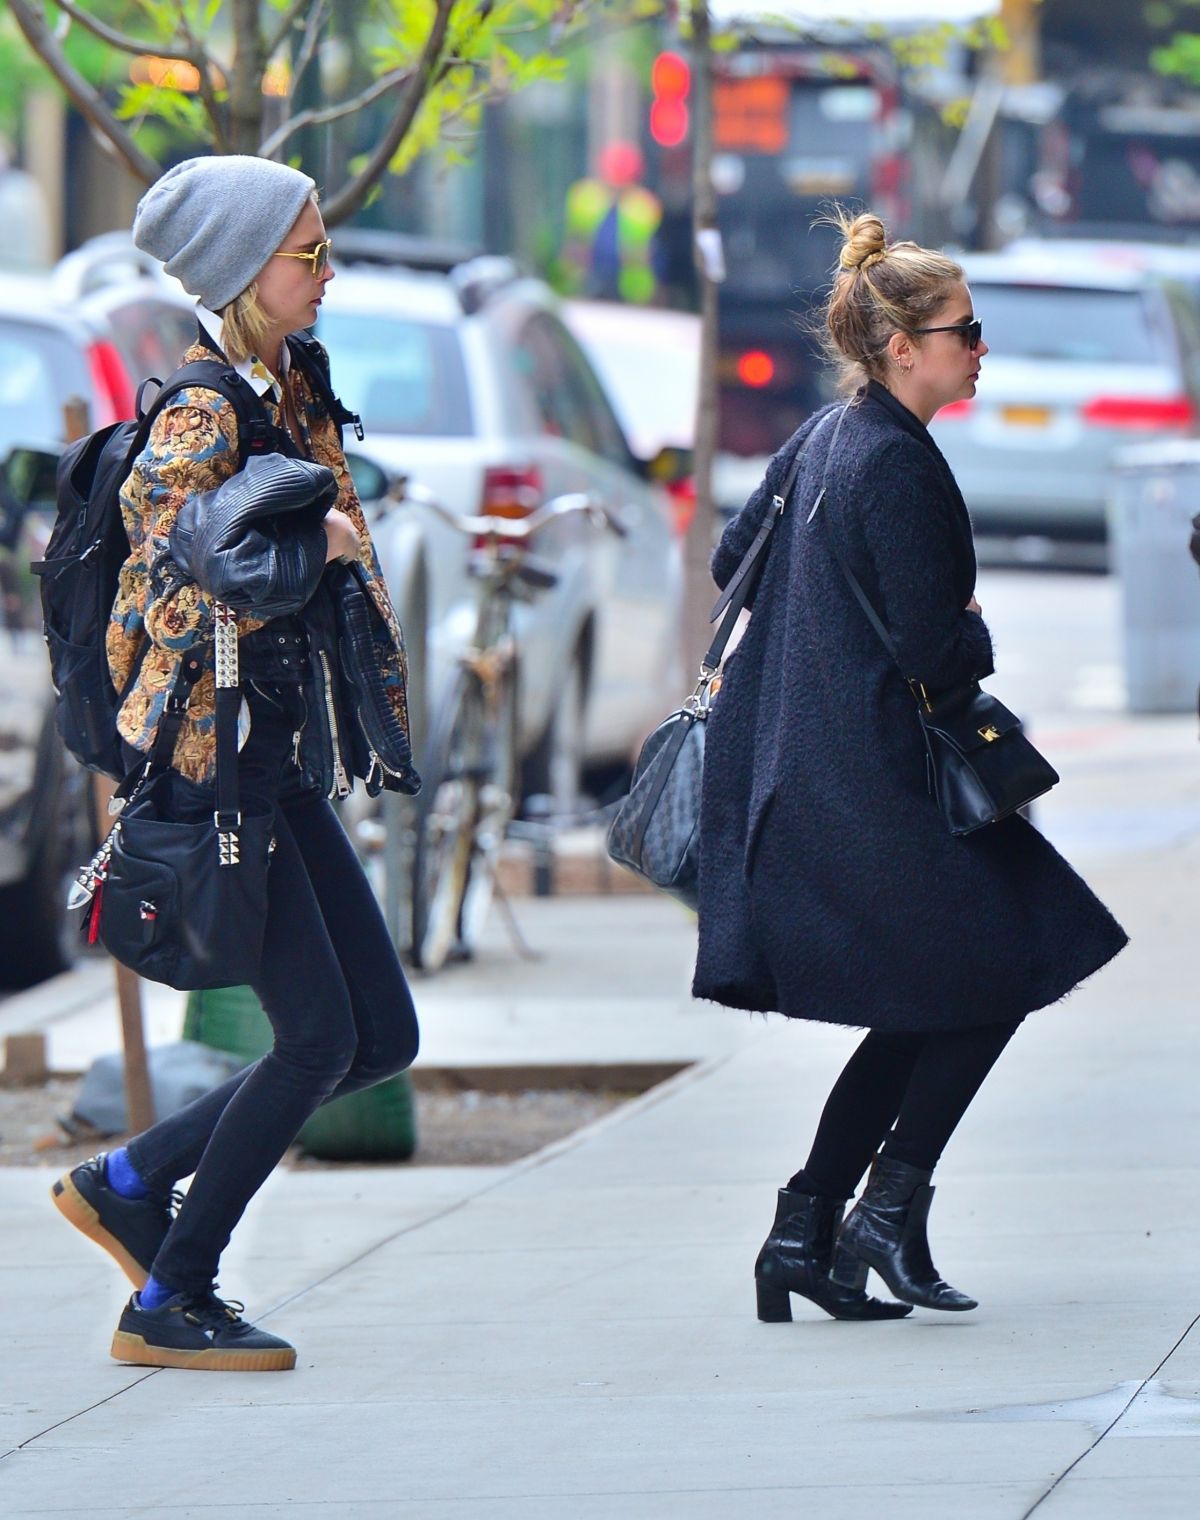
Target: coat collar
(899, 413)
(874, 391)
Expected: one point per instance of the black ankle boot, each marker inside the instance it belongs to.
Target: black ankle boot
(796, 1257)
(886, 1230)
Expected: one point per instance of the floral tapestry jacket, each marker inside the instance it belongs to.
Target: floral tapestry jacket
(157, 615)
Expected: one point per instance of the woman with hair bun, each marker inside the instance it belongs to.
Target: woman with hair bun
(830, 887)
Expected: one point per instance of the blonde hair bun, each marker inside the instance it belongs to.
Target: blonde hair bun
(902, 286)
(865, 241)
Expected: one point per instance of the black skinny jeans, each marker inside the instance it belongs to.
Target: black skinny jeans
(334, 991)
(921, 1083)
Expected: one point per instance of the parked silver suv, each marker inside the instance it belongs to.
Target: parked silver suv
(1085, 356)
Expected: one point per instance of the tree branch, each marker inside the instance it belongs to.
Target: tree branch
(203, 65)
(88, 101)
(119, 40)
(312, 30)
(351, 196)
(295, 11)
(321, 118)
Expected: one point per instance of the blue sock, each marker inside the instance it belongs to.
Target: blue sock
(122, 1175)
(154, 1293)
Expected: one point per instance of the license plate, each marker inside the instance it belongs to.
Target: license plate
(1026, 416)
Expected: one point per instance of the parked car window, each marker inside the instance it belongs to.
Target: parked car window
(541, 362)
(570, 400)
(401, 376)
(1081, 326)
(38, 370)
(609, 440)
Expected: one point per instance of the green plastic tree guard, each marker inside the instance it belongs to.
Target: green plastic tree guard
(376, 1125)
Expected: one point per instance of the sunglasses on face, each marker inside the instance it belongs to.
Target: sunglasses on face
(971, 332)
(318, 258)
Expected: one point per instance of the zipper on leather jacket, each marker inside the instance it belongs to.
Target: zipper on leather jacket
(377, 769)
(341, 781)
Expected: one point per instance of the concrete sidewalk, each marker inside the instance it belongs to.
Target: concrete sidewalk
(573, 1337)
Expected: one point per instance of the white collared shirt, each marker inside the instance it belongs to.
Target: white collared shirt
(252, 370)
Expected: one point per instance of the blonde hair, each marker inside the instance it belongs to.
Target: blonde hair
(246, 325)
(879, 288)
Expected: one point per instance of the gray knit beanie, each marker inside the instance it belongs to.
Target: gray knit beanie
(214, 222)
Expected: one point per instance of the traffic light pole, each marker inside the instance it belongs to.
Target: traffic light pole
(710, 271)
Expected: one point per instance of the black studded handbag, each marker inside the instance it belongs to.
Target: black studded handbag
(656, 830)
(178, 890)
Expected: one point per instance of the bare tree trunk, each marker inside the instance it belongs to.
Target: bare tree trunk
(698, 592)
(246, 75)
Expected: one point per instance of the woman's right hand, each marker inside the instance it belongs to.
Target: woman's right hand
(342, 541)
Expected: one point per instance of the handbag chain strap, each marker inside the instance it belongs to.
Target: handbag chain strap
(228, 817)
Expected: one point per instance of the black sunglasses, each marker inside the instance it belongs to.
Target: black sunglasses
(972, 332)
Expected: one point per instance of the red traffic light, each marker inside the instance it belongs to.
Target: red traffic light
(671, 81)
(670, 77)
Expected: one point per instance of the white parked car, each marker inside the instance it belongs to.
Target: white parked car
(469, 384)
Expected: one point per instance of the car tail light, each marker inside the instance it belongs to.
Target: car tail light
(956, 409)
(755, 369)
(1140, 412)
(509, 492)
(111, 384)
(683, 504)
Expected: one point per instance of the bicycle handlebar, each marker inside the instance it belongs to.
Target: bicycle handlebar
(510, 528)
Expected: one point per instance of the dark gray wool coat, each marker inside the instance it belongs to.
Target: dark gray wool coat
(830, 887)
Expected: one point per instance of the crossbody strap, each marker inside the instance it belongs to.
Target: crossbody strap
(860, 596)
(227, 817)
(741, 584)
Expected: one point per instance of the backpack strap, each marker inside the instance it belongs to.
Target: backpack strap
(312, 359)
(256, 432)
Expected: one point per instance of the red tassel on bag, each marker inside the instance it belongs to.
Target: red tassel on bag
(93, 931)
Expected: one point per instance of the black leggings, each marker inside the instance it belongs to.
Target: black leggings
(920, 1083)
(331, 985)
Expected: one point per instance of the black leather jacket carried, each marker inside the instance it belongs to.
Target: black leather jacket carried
(256, 543)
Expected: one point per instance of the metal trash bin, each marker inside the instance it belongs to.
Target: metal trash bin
(1156, 492)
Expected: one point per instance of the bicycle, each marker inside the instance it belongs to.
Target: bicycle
(470, 763)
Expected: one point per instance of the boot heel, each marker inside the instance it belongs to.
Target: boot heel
(848, 1270)
(774, 1304)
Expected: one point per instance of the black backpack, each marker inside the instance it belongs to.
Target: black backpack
(88, 544)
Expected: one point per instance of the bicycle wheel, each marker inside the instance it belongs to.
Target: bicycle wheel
(497, 803)
(447, 810)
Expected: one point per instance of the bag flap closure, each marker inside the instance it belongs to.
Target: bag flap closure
(969, 718)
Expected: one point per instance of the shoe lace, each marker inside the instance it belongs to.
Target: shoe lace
(207, 1309)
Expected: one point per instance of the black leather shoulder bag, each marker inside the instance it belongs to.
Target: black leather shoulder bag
(980, 766)
(178, 893)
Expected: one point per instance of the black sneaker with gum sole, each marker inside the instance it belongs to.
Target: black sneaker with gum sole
(131, 1230)
(201, 1332)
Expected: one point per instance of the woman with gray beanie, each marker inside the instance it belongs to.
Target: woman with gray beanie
(246, 237)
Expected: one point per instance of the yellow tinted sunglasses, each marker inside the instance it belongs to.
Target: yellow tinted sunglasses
(318, 258)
